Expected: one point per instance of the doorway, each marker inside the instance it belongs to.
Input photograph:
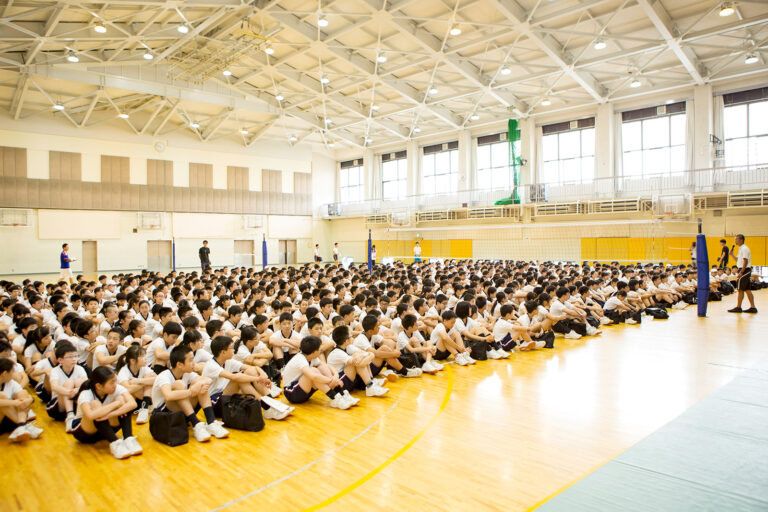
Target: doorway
(287, 252)
(159, 255)
(244, 253)
(90, 257)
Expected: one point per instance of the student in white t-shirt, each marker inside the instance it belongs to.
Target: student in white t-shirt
(66, 379)
(103, 408)
(409, 340)
(336, 252)
(15, 404)
(448, 342)
(354, 371)
(744, 277)
(134, 375)
(107, 355)
(305, 373)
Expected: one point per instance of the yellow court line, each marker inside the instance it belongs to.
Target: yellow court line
(394, 456)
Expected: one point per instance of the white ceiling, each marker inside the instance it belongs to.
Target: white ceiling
(546, 46)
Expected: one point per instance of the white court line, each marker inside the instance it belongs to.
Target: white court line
(305, 467)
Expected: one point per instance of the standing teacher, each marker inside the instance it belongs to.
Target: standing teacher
(744, 278)
(205, 256)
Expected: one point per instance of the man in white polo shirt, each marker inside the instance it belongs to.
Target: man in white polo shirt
(744, 278)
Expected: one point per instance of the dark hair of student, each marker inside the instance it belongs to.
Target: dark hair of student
(531, 306)
(340, 335)
(310, 344)
(172, 328)
(313, 322)
(213, 326)
(179, 354)
(409, 321)
(219, 344)
(63, 348)
(506, 309)
(99, 375)
(448, 315)
(369, 322)
(133, 353)
(286, 317)
(191, 337)
(462, 310)
(36, 336)
(6, 365)
(82, 327)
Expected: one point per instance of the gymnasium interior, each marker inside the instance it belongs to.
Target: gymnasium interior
(334, 136)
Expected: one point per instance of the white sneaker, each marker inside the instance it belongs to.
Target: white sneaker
(354, 401)
(437, 366)
(591, 331)
(374, 390)
(503, 353)
(34, 431)
(31, 416)
(118, 449)
(460, 359)
(274, 414)
(275, 391)
(201, 433)
(413, 372)
(69, 428)
(132, 445)
(604, 320)
(630, 321)
(541, 344)
(217, 430)
(143, 416)
(339, 402)
(573, 335)
(428, 368)
(528, 345)
(388, 374)
(20, 434)
(680, 305)
(492, 354)
(469, 358)
(379, 382)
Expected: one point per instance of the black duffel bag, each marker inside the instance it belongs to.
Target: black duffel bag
(657, 313)
(478, 350)
(242, 412)
(169, 427)
(409, 359)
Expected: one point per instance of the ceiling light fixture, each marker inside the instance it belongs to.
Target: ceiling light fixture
(635, 83)
(194, 125)
(751, 58)
(381, 58)
(455, 31)
(325, 80)
(331, 144)
(226, 72)
(269, 50)
(123, 115)
(546, 102)
(148, 56)
(183, 29)
(600, 44)
(328, 120)
(322, 21)
(505, 71)
(71, 57)
(58, 106)
(279, 97)
(474, 117)
(433, 91)
(375, 107)
(417, 130)
(368, 140)
(726, 9)
(293, 138)
(243, 132)
(99, 28)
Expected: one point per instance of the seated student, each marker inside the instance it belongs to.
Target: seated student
(134, 375)
(15, 404)
(540, 329)
(109, 311)
(37, 345)
(354, 371)
(285, 342)
(315, 327)
(86, 340)
(41, 373)
(194, 340)
(619, 311)
(24, 326)
(462, 311)
(179, 388)
(305, 373)
(107, 355)
(231, 326)
(507, 331)
(385, 353)
(66, 379)
(229, 376)
(103, 408)
(159, 351)
(137, 332)
(448, 342)
(412, 340)
(571, 325)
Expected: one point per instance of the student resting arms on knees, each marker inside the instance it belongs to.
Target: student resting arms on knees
(14, 406)
(305, 373)
(411, 340)
(449, 341)
(66, 380)
(135, 376)
(354, 371)
(103, 408)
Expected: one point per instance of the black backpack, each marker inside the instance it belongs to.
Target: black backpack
(169, 427)
(242, 412)
(478, 350)
(657, 313)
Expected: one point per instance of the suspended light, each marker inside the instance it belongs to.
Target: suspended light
(99, 28)
(455, 31)
(635, 83)
(751, 58)
(279, 97)
(293, 138)
(325, 80)
(505, 71)
(433, 91)
(194, 125)
(322, 21)
(546, 102)
(183, 29)
(600, 44)
(58, 106)
(243, 132)
(328, 120)
(726, 9)
(269, 50)
(474, 117)
(148, 56)
(226, 72)
(417, 130)
(381, 58)
(71, 57)
(331, 144)
(368, 140)
(122, 115)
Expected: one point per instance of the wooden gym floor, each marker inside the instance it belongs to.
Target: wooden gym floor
(502, 435)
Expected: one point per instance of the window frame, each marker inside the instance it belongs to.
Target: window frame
(401, 180)
(748, 137)
(582, 126)
(356, 189)
(449, 149)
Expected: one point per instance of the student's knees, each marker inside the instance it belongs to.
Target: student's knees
(3, 396)
(178, 385)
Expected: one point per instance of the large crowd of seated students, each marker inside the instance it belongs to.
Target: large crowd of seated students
(99, 353)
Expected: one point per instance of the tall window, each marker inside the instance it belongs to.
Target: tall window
(568, 151)
(441, 168)
(493, 162)
(394, 176)
(745, 126)
(653, 140)
(351, 181)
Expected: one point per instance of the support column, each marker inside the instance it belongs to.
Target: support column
(371, 176)
(703, 126)
(414, 168)
(528, 151)
(466, 157)
(604, 141)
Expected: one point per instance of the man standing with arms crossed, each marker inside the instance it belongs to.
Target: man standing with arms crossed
(205, 256)
(744, 278)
